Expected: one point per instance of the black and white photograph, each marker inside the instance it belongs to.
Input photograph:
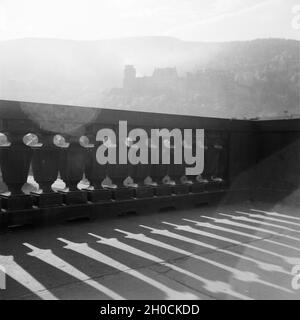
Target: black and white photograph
(149, 151)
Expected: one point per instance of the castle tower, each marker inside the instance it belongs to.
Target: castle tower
(129, 77)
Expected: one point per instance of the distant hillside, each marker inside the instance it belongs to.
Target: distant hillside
(266, 73)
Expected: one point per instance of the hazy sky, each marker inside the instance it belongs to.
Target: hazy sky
(206, 20)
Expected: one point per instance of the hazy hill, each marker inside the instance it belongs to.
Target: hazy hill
(266, 72)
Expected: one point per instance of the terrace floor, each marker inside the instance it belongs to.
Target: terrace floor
(145, 257)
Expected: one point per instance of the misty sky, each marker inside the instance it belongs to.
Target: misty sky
(196, 20)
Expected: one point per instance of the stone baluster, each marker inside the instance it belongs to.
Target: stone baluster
(45, 164)
(71, 167)
(187, 146)
(118, 172)
(110, 168)
(94, 172)
(132, 169)
(177, 170)
(147, 172)
(214, 161)
(156, 171)
(199, 181)
(141, 175)
(168, 147)
(15, 162)
(162, 171)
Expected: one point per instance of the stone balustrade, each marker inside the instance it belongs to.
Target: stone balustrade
(47, 142)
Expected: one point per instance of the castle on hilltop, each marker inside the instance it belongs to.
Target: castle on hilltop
(161, 79)
(168, 80)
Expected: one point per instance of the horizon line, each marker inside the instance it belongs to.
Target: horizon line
(145, 36)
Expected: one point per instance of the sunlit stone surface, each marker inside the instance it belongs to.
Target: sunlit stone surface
(195, 254)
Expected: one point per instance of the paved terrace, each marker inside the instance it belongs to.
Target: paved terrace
(244, 251)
